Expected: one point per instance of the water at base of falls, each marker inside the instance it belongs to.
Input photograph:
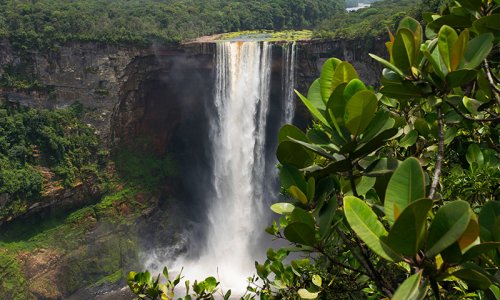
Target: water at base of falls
(237, 210)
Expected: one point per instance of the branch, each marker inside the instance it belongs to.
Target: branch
(492, 119)
(440, 154)
(365, 262)
(491, 80)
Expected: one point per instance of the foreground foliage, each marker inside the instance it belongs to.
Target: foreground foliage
(370, 213)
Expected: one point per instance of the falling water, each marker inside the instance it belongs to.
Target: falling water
(288, 81)
(238, 127)
(242, 182)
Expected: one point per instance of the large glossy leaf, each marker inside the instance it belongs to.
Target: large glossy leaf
(303, 216)
(282, 208)
(359, 111)
(433, 57)
(458, 49)
(477, 50)
(352, 88)
(314, 95)
(294, 154)
(488, 222)
(403, 50)
(289, 131)
(449, 224)
(336, 106)
(446, 39)
(367, 226)
(313, 109)
(409, 139)
(300, 233)
(472, 5)
(316, 148)
(326, 78)
(290, 175)
(407, 184)
(487, 24)
(381, 122)
(408, 232)
(411, 288)
(414, 26)
(344, 73)
(388, 65)
(403, 90)
(296, 193)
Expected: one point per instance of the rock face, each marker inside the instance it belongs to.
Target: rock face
(153, 99)
(133, 92)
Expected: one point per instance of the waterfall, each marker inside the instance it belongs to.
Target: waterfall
(238, 127)
(243, 174)
(288, 81)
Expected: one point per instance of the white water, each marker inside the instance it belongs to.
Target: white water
(235, 212)
(237, 209)
(288, 81)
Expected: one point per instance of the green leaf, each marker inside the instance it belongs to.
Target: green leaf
(382, 166)
(316, 148)
(404, 90)
(458, 49)
(300, 233)
(359, 111)
(326, 217)
(408, 232)
(326, 78)
(474, 276)
(344, 73)
(291, 153)
(472, 5)
(407, 184)
(388, 65)
(367, 226)
(488, 221)
(375, 143)
(474, 155)
(409, 139)
(414, 26)
(352, 88)
(449, 224)
(316, 280)
(434, 58)
(305, 294)
(313, 109)
(290, 175)
(302, 216)
(404, 50)
(311, 184)
(282, 208)
(381, 122)
(336, 106)
(460, 77)
(296, 193)
(410, 289)
(487, 24)
(446, 39)
(289, 131)
(471, 105)
(477, 50)
(314, 95)
(480, 249)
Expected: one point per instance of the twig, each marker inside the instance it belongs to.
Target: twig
(491, 80)
(440, 154)
(492, 119)
(365, 262)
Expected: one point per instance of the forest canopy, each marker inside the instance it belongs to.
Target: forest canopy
(41, 23)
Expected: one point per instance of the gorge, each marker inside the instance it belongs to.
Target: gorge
(157, 99)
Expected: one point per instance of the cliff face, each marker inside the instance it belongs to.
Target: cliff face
(129, 92)
(153, 99)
